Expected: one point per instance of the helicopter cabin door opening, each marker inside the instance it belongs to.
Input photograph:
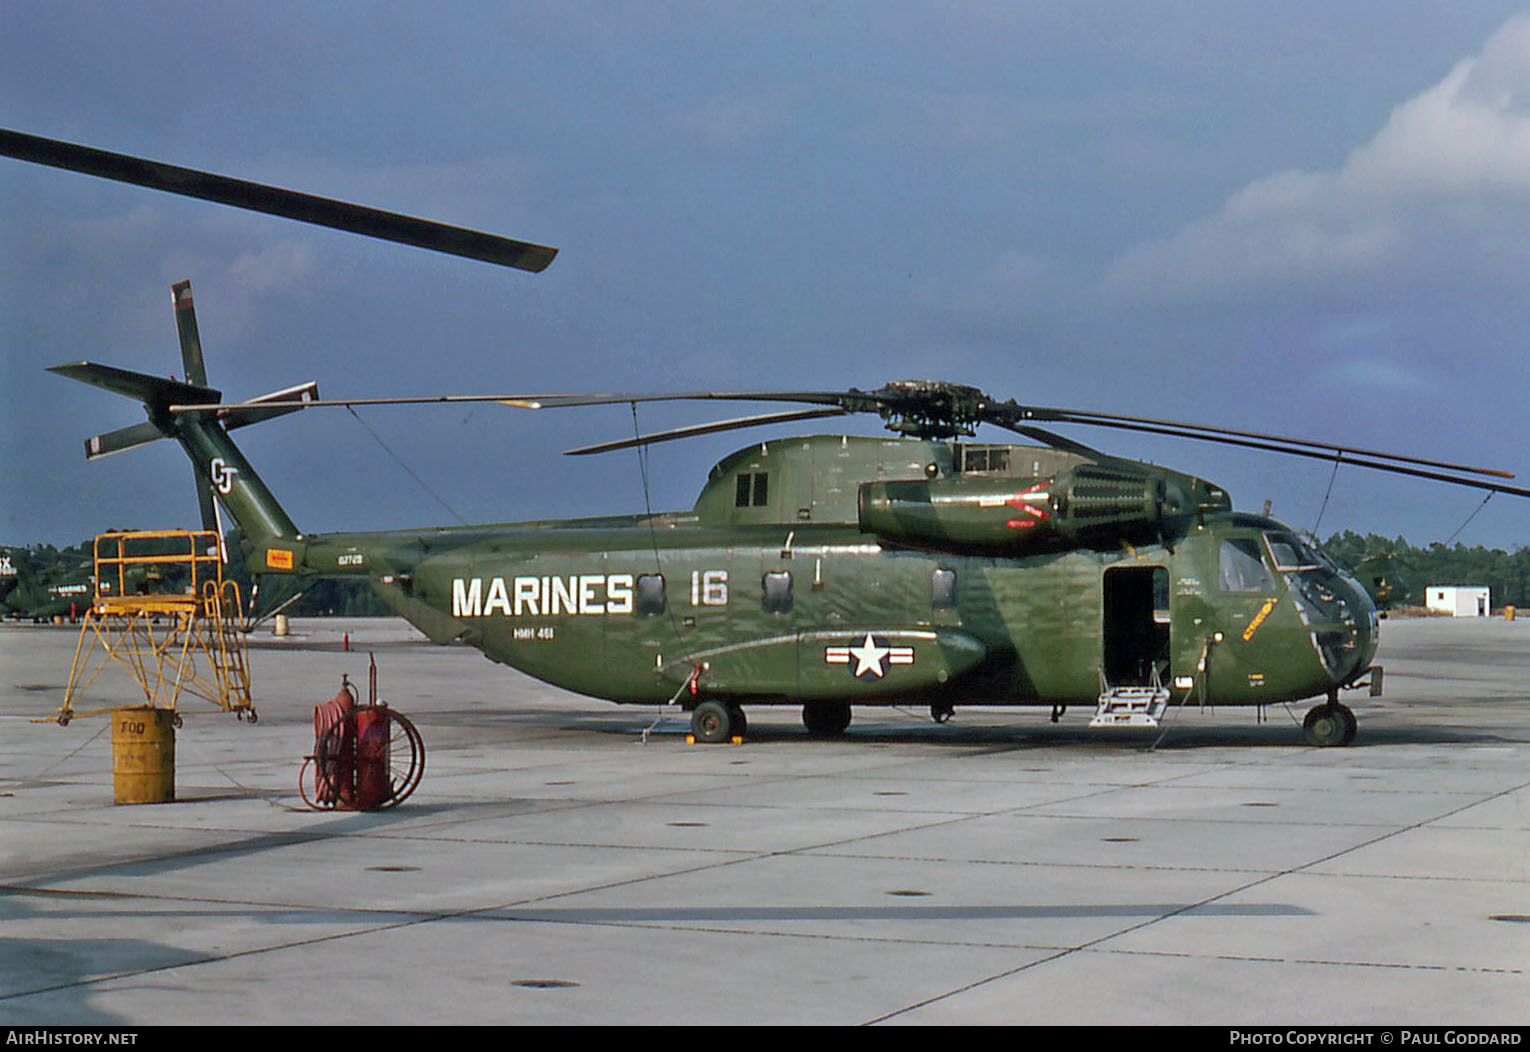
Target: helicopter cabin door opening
(1135, 610)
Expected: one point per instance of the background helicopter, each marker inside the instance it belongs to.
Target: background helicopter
(830, 571)
(40, 590)
(1380, 573)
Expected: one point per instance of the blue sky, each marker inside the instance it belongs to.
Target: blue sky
(1302, 218)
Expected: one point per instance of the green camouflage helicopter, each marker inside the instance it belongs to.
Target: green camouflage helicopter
(10, 575)
(29, 591)
(1383, 581)
(66, 587)
(832, 571)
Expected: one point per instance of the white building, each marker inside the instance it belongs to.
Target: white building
(1459, 600)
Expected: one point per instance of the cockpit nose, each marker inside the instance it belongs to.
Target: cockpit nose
(1363, 627)
(1337, 611)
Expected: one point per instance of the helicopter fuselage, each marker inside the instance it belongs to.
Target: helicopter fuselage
(1211, 605)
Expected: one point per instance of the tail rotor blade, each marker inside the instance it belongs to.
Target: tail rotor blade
(120, 439)
(186, 328)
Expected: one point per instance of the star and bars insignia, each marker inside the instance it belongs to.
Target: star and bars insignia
(870, 658)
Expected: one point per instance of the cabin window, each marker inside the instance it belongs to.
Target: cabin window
(1161, 612)
(1241, 568)
(753, 490)
(985, 458)
(778, 592)
(943, 590)
(649, 597)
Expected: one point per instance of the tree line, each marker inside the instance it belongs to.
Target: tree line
(1507, 574)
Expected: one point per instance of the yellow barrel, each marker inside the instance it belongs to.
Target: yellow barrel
(1508, 613)
(143, 756)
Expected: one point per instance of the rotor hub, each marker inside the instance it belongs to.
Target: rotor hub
(929, 409)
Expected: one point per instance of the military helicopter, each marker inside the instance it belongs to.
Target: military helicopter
(831, 571)
(10, 576)
(1383, 581)
(40, 593)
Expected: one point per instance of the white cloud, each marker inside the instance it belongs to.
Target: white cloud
(1443, 189)
(111, 235)
(279, 267)
(1469, 133)
(1371, 376)
(725, 124)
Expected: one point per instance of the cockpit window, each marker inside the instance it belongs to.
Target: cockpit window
(1241, 568)
(1290, 553)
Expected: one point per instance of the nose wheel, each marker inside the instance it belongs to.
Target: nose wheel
(1329, 724)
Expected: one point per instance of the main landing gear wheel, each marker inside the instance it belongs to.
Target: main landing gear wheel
(713, 722)
(1329, 724)
(826, 718)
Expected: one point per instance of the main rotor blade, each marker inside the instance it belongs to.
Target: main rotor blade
(843, 399)
(1332, 453)
(1218, 434)
(931, 409)
(1048, 438)
(704, 429)
(288, 204)
(335, 403)
(551, 401)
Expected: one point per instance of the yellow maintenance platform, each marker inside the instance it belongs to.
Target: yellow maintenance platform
(164, 612)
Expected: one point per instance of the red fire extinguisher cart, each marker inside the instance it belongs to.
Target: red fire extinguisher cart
(365, 757)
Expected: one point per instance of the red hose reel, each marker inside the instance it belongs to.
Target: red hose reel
(365, 757)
